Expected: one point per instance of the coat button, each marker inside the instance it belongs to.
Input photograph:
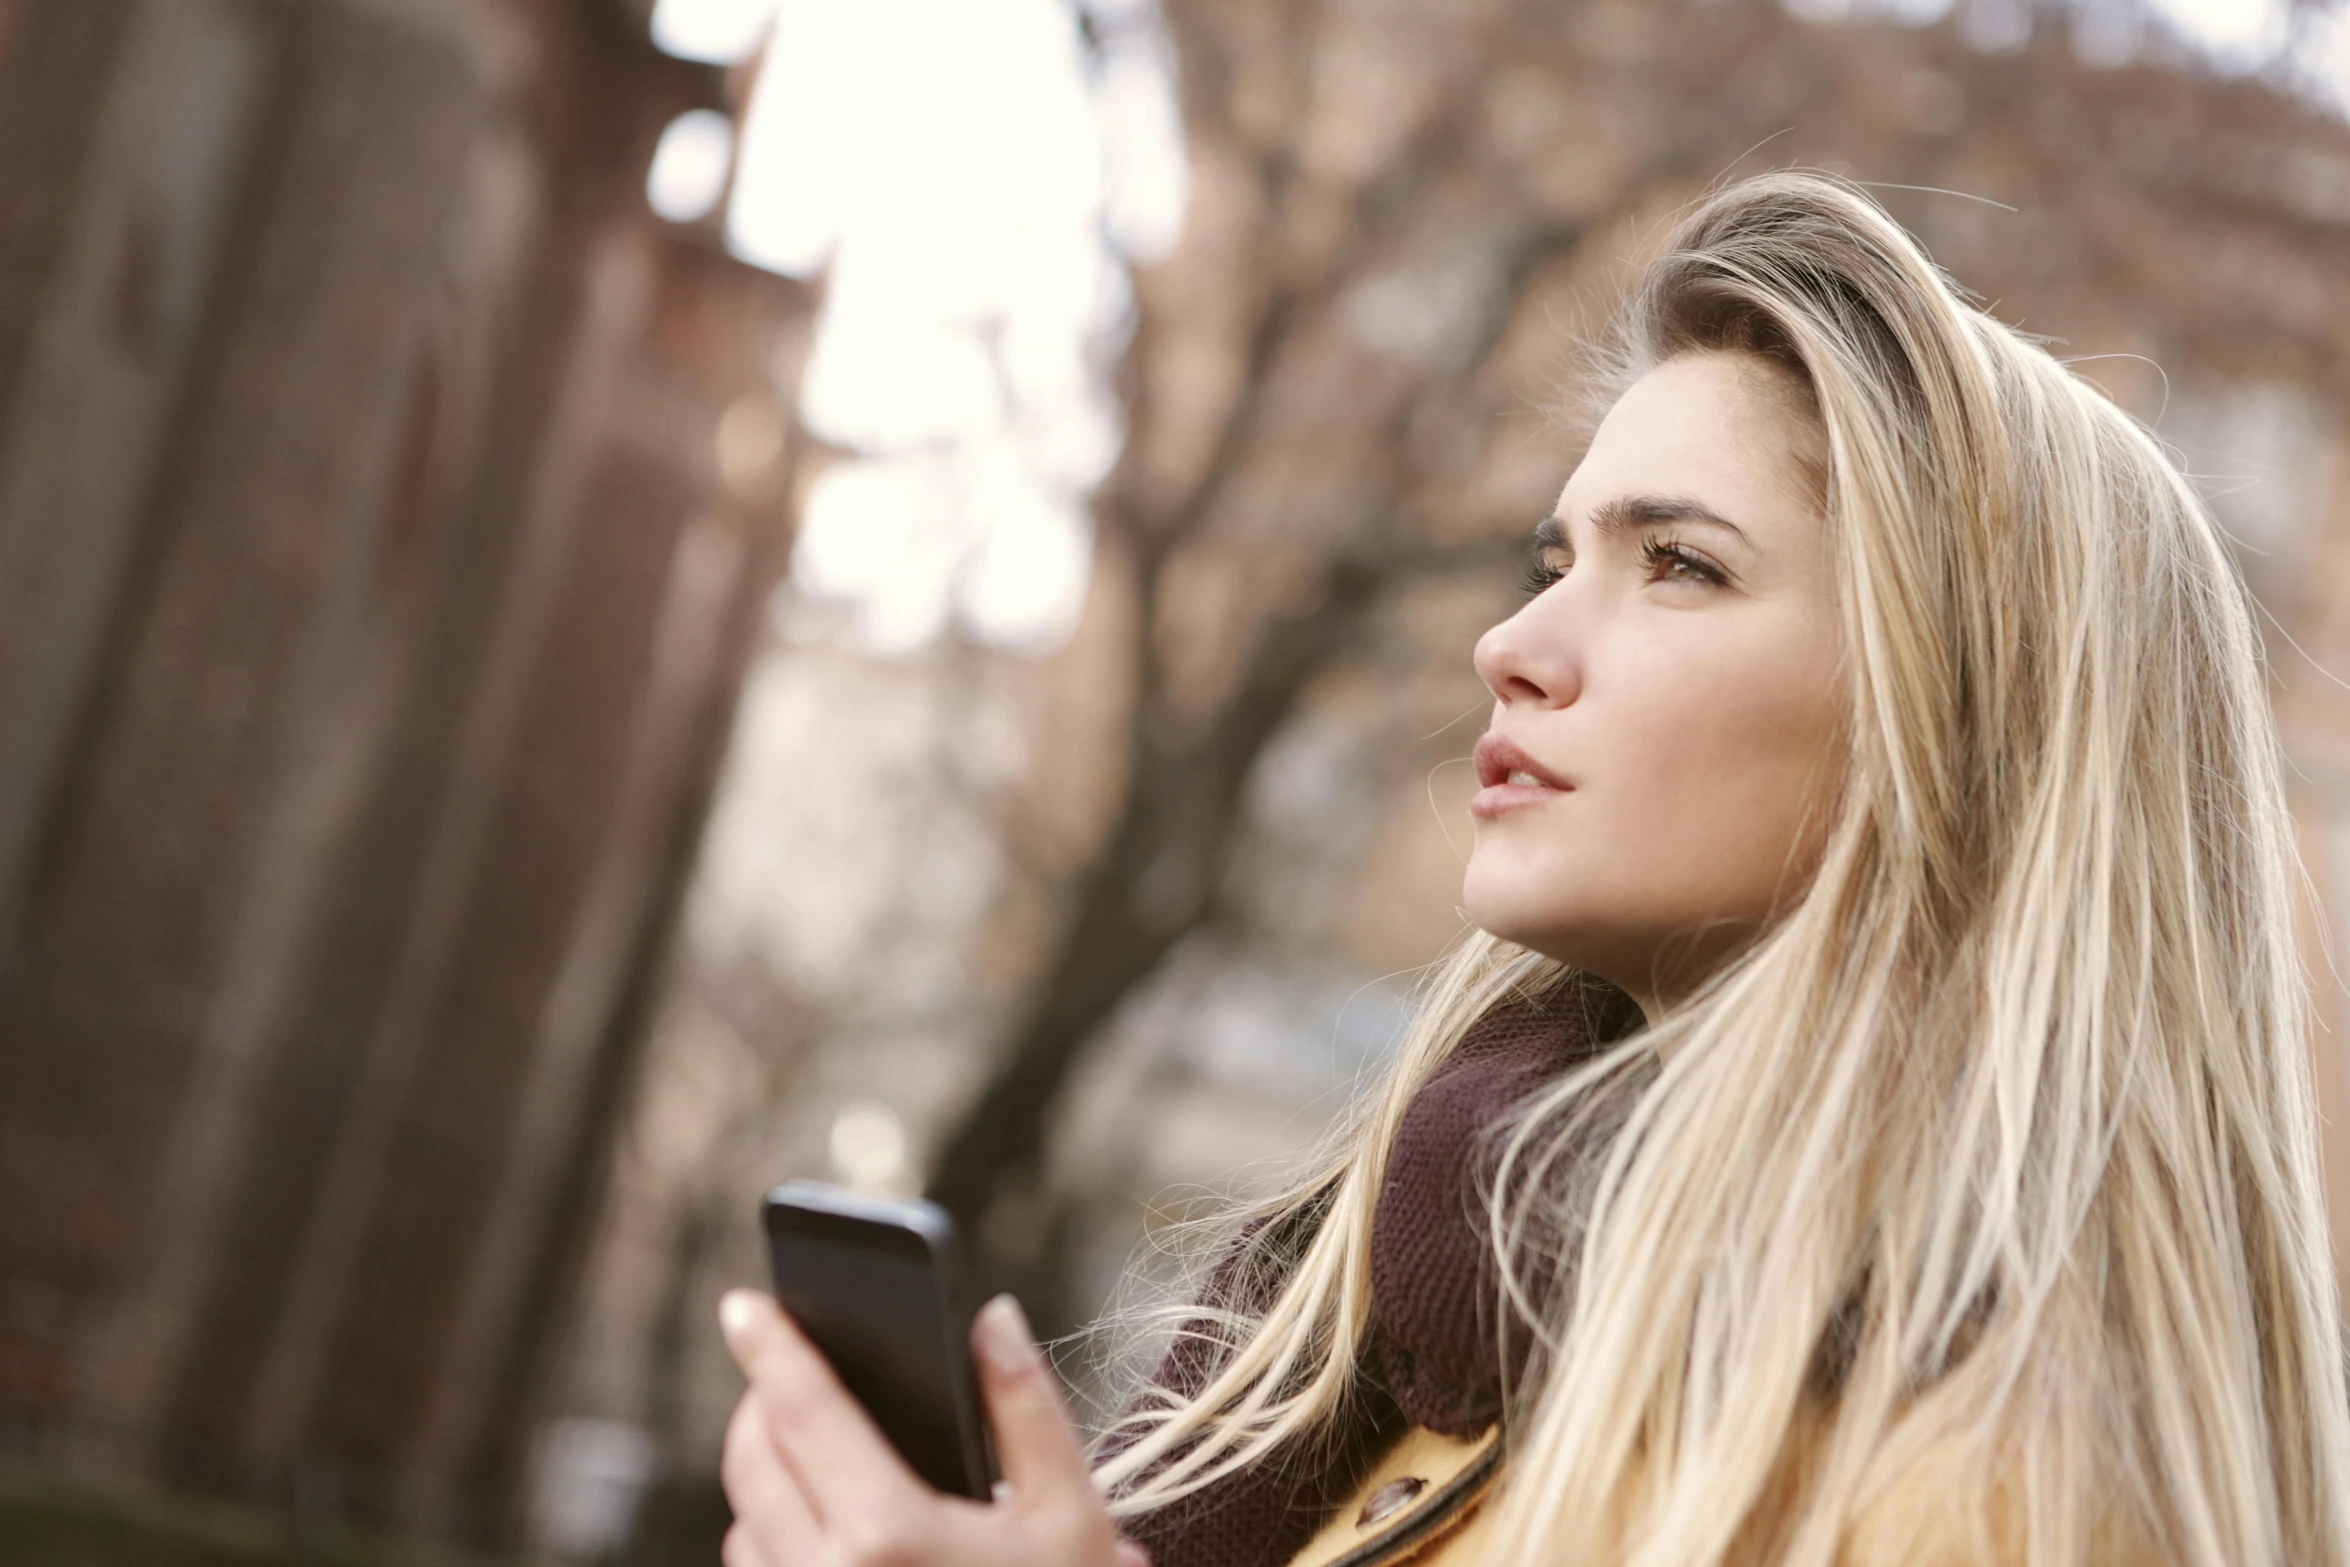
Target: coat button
(1389, 1500)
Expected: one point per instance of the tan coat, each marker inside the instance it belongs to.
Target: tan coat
(1422, 1504)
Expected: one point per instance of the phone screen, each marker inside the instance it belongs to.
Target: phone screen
(875, 1297)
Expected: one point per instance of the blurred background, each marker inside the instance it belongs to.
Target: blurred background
(603, 603)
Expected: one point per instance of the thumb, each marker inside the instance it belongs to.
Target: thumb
(1040, 1454)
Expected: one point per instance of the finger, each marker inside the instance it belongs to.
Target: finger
(770, 1503)
(741, 1549)
(846, 1466)
(1040, 1453)
(1132, 1555)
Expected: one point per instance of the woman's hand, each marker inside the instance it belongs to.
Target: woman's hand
(814, 1483)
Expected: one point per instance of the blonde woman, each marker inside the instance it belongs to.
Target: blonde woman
(1873, 1123)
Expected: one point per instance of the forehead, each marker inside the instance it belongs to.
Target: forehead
(1728, 430)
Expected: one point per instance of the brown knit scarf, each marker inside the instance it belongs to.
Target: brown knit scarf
(1431, 1356)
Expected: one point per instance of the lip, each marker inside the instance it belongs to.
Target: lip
(1496, 758)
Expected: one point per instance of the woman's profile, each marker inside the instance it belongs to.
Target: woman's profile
(1871, 1122)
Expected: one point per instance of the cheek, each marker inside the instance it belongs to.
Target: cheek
(1733, 734)
(1717, 770)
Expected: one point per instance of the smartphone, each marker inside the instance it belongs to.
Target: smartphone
(876, 1283)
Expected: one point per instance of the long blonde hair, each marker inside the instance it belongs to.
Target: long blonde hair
(2009, 1115)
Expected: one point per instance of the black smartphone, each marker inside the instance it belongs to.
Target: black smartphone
(876, 1284)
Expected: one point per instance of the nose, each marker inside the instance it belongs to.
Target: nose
(1530, 658)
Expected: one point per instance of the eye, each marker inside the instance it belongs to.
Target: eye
(1542, 569)
(1669, 560)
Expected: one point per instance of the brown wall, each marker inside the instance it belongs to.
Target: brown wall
(370, 606)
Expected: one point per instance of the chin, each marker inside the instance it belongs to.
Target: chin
(1511, 903)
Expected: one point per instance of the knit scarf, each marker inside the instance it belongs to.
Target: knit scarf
(1432, 1355)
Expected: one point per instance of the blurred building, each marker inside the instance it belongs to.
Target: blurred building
(386, 501)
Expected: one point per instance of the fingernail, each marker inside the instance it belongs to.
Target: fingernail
(737, 1311)
(1004, 1337)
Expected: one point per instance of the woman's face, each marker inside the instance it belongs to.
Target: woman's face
(1667, 720)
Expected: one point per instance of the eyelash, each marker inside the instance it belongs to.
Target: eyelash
(1655, 554)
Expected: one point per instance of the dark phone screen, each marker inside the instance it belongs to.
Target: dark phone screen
(871, 1298)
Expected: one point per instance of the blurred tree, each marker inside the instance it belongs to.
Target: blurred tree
(1401, 216)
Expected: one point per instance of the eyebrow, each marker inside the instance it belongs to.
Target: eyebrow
(1628, 513)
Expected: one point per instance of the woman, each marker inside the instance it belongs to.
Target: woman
(1878, 1092)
